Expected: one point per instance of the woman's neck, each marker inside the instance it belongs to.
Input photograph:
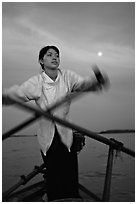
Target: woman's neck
(52, 73)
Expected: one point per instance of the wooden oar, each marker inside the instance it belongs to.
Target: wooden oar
(65, 123)
(27, 122)
(19, 127)
(69, 97)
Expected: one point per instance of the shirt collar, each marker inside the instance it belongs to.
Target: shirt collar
(48, 80)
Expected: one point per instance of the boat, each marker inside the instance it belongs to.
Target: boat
(37, 191)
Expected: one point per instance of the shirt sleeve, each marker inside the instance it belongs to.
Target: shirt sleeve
(78, 83)
(29, 90)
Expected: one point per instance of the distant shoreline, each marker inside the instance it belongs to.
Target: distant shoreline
(113, 131)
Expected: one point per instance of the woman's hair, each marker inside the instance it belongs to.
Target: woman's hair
(44, 50)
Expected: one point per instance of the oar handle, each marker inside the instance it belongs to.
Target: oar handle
(99, 76)
(102, 79)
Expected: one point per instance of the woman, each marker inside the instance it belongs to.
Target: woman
(55, 140)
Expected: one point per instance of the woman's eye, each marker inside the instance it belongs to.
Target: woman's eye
(52, 55)
(49, 54)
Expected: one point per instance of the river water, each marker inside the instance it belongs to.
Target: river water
(21, 154)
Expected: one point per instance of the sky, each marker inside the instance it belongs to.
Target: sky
(81, 30)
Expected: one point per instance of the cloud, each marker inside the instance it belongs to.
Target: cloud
(37, 24)
(27, 38)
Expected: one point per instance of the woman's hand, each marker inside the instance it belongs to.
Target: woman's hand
(102, 79)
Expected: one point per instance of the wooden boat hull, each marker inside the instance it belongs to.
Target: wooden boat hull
(36, 192)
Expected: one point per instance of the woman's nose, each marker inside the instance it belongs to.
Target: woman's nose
(54, 57)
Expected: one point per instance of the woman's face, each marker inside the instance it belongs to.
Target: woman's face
(51, 59)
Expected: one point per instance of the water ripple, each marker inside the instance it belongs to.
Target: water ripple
(101, 174)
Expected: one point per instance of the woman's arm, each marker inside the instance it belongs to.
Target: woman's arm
(29, 90)
(79, 84)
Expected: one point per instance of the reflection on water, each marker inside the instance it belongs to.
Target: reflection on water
(20, 155)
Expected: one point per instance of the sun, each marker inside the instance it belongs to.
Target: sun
(100, 54)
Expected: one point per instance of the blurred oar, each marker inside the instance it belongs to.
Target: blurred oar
(116, 131)
(19, 127)
(65, 123)
(68, 97)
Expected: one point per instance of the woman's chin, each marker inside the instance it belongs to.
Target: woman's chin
(52, 67)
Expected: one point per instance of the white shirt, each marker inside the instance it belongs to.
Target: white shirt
(45, 92)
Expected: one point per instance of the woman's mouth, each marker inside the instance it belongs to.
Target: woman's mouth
(54, 62)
